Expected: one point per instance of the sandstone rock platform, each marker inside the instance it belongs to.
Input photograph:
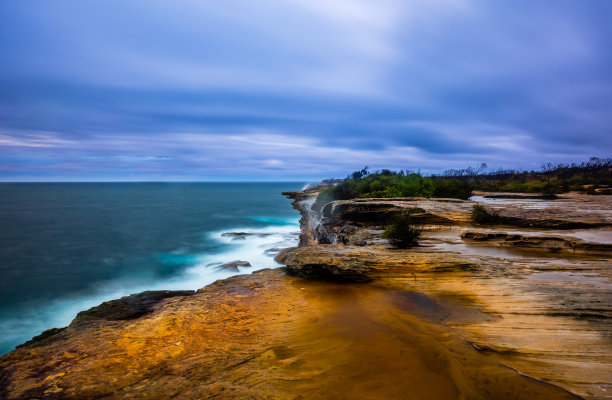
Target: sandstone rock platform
(519, 311)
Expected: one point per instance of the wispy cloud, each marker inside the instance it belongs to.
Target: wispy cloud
(31, 140)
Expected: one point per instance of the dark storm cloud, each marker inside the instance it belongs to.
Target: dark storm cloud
(278, 90)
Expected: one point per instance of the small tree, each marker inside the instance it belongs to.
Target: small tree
(401, 234)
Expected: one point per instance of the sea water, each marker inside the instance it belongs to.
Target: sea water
(66, 247)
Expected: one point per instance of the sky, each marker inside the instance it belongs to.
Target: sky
(196, 90)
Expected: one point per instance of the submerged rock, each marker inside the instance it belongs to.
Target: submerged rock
(273, 251)
(244, 235)
(233, 265)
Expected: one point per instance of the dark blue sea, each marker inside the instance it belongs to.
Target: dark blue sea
(65, 247)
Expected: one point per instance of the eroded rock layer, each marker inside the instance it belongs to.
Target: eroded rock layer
(548, 290)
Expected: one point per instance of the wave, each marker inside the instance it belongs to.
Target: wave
(276, 220)
(258, 246)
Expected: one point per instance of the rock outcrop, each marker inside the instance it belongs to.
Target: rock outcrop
(233, 265)
(473, 312)
(554, 244)
(364, 264)
(548, 290)
(270, 336)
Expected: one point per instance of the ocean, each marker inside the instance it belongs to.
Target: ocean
(66, 247)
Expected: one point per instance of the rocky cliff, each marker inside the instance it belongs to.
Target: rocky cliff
(544, 277)
(473, 312)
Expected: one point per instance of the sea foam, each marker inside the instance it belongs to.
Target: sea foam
(257, 246)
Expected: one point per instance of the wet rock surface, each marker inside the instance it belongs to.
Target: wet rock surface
(272, 336)
(232, 265)
(554, 244)
(545, 280)
(568, 211)
(128, 307)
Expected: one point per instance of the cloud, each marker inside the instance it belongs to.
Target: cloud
(280, 89)
(264, 46)
(31, 139)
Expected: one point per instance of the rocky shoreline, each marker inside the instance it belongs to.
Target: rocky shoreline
(517, 311)
(544, 276)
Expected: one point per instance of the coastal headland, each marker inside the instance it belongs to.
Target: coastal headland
(521, 309)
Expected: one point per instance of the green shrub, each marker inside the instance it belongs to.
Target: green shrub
(551, 179)
(388, 184)
(401, 233)
(480, 215)
(455, 188)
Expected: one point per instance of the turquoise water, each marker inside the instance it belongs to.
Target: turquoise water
(68, 247)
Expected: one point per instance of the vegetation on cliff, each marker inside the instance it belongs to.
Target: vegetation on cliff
(593, 177)
(401, 233)
(481, 215)
(387, 183)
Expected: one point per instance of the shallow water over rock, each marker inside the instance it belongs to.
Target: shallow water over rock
(545, 287)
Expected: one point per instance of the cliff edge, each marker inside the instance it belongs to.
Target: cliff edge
(506, 312)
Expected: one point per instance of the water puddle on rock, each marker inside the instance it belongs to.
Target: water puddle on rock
(440, 309)
(371, 342)
(537, 204)
(452, 242)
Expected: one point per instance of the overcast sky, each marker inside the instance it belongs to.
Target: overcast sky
(299, 89)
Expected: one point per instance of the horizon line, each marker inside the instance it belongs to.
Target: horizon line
(212, 181)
